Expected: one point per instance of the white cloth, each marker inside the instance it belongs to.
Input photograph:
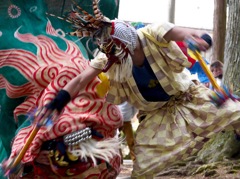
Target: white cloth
(127, 110)
(126, 34)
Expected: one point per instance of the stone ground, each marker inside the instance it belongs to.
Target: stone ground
(126, 167)
(126, 170)
(222, 172)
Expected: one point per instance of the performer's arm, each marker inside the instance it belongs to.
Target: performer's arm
(202, 39)
(72, 88)
(81, 80)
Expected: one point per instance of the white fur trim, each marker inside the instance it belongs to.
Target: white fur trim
(121, 72)
(105, 149)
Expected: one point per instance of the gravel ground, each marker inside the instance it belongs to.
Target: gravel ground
(126, 170)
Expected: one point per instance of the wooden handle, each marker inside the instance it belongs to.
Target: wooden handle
(26, 146)
(207, 71)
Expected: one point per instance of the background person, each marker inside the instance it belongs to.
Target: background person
(216, 68)
(128, 112)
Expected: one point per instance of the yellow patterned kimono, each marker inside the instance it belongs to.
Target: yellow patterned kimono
(175, 129)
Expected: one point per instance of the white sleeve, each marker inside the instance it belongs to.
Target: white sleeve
(127, 110)
(99, 61)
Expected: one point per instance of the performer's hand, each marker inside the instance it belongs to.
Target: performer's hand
(202, 43)
(59, 102)
(43, 115)
(53, 109)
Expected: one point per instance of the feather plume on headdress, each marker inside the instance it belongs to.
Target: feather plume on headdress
(85, 24)
(116, 38)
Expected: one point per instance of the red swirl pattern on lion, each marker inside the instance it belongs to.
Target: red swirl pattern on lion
(48, 71)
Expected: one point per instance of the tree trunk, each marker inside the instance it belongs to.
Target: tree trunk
(232, 50)
(224, 145)
(219, 29)
(171, 15)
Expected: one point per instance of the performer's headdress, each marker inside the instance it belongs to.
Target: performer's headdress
(115, 38)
